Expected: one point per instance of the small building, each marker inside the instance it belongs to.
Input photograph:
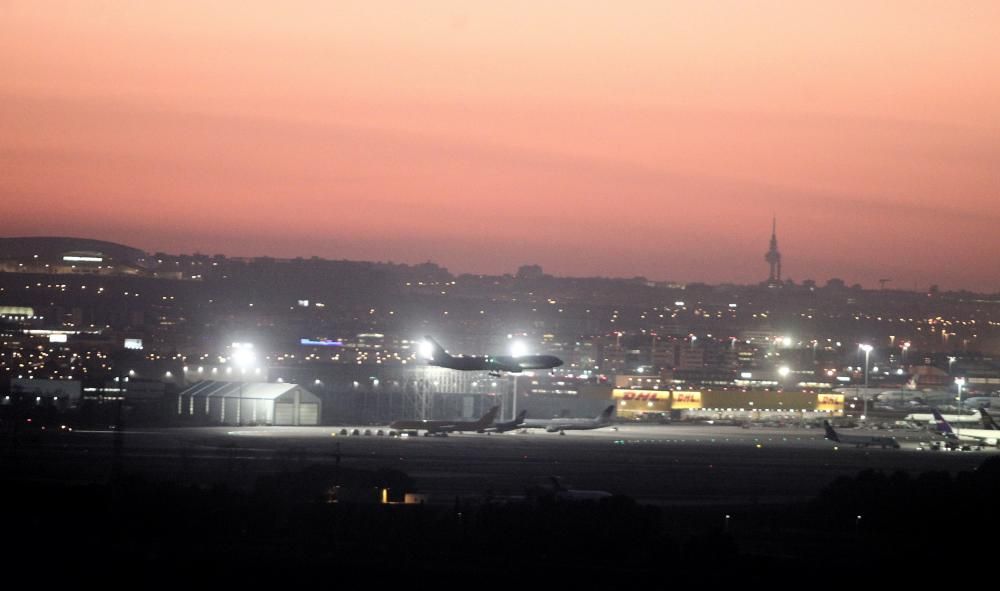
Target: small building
(248, 403)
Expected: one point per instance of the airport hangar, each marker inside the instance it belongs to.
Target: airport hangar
(248, 403)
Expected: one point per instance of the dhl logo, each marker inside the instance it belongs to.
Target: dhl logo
(641, 395)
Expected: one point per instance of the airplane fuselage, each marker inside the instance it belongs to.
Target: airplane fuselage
(497, 363)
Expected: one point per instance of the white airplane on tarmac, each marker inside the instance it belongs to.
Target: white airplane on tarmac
(979, 436)
(859, 440)
(561, 425)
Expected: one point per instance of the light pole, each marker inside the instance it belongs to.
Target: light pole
(243, 356)
(864, 399)
(517, 349)
(959, 382)
(951, 361)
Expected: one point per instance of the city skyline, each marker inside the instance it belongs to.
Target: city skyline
(594, 141)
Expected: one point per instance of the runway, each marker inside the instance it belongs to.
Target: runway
(661, 464)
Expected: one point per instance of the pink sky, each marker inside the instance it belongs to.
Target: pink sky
(643, 138)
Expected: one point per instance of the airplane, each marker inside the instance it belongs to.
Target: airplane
(561, 425)
(504, 426)
(495, 364)
(980, 402)
(980, 436)
(439, 427)
(859, 440)
(929, 418)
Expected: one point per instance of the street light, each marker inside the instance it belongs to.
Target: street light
(959, 382)
(243, 356)
(951, 361)
(864, 399)
(517, 349)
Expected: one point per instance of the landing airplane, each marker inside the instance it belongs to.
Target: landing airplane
(980, 436)
(444, 427)
(560, 425)
(495, 364)
(504, 426)
(859, 440)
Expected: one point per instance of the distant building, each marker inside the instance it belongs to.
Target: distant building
(62, 255)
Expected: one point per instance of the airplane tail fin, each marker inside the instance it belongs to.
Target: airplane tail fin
(488, 418)
(430, 349)
(942, 425)
(520, 417)
(606, 414)
(831, 434)
(988, 420)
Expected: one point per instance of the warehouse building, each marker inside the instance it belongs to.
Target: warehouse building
(248, 403)
(725, 403)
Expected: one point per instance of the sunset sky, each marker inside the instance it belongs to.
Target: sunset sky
(593, 138)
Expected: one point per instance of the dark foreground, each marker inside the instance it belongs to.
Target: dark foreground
(80, 509)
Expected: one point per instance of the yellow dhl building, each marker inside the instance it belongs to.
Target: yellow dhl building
(632, 402)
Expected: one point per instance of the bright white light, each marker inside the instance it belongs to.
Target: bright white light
(518, 349)
(426, 349)
(866, 348)
(243, 354)
(787, 341)
(784, 371)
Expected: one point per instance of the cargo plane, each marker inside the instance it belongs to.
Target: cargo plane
(436, 355)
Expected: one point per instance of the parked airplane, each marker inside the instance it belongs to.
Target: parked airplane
(980, 436)
(444, 427)
(859, 440)
(980, 402)
(504, 426)
(929, 418)
(560, 425)
(495, 364)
